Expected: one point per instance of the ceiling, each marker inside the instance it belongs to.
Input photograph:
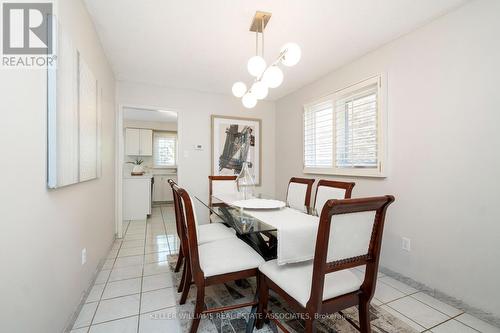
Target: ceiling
(149, 115)
(204, 45)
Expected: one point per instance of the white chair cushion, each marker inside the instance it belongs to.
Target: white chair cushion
(296, 280)
(226, 256)
(326, 193)
(214, 232)
(296, 195)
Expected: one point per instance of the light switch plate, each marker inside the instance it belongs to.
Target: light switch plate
(84, 256)
(406, 244)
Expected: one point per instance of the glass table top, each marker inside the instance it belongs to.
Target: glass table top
(236, 217)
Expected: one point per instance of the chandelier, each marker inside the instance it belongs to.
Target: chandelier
(265, 76)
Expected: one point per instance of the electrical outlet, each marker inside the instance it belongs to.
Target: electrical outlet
(406, 244)
(84, 256)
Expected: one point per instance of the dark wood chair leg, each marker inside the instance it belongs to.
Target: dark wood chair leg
(198, 308)
(364, 316)
(263, 299)
(187, 284)
(183, 279)
(179, 260)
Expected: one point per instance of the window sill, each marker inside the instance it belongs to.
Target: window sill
(355, 172)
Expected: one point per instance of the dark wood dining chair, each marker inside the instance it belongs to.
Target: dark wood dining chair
(220, 185)
(298, 193)
(331, 189)
(212, 263)
(349, 235)
(206, 233)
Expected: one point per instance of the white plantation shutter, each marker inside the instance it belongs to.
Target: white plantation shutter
(318, 135)
(356, 129)
(164, 149)
(343, 132)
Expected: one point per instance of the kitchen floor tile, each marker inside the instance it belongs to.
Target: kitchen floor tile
(80, 330)
(403, 318)
(122, 288)
(156, 248)
(477, 324)
(404, 288)
(419, 312)
(129, 261)
(158, 281)
(436, 304)
(102, 277)
(108, 264)
(116, 308)
(132, 243)
(156, 257)
(386, 293)
(156, 268)
(130, 237)
(123, 273)
(112, 254)
(131, 251)
(95, 293)
(85, 316)
(157, 299)
(453, 326)
(160, 321)
(126, 325)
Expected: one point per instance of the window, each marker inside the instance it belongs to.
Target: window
(343, 132)
(164, 149)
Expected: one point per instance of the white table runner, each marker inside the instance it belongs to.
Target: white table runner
(297, 231)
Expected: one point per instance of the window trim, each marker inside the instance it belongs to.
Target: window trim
(173, 166)
(381, 170)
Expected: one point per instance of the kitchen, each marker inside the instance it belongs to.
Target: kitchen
(150, 159)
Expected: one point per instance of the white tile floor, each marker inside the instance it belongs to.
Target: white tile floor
(134, 291)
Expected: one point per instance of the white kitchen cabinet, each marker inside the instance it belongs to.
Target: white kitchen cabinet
(136, 197)
(139, 142)
(161, 188)
(146, 142)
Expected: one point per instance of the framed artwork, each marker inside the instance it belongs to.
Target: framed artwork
(73, 116)
(235, 141)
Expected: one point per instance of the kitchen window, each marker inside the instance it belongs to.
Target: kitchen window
(344, 132)
(164, 149)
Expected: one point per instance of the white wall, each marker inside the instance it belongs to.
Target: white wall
(444, 150)
(42, 231)
(194, 110)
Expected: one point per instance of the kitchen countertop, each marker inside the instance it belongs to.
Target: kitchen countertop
(145, 176)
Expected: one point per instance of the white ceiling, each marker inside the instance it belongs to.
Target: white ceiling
(204, 44)
(149, 115)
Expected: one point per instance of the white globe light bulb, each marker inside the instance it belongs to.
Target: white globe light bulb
(256, 66)
(249, 101)
(292, 54)
(239, 89)
(259, 90)
(273, 77)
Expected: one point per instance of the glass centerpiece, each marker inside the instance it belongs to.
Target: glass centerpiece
(245, 182)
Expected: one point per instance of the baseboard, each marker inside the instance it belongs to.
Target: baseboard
(439, 295)
(86, 292)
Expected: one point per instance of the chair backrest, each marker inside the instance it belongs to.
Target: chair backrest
(221, 185)
(177, 213)
(349, 235)
(189, 231)
(330, 189)
(298, 193)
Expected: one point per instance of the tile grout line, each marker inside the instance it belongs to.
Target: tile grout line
(142, 276)
(106, 283)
